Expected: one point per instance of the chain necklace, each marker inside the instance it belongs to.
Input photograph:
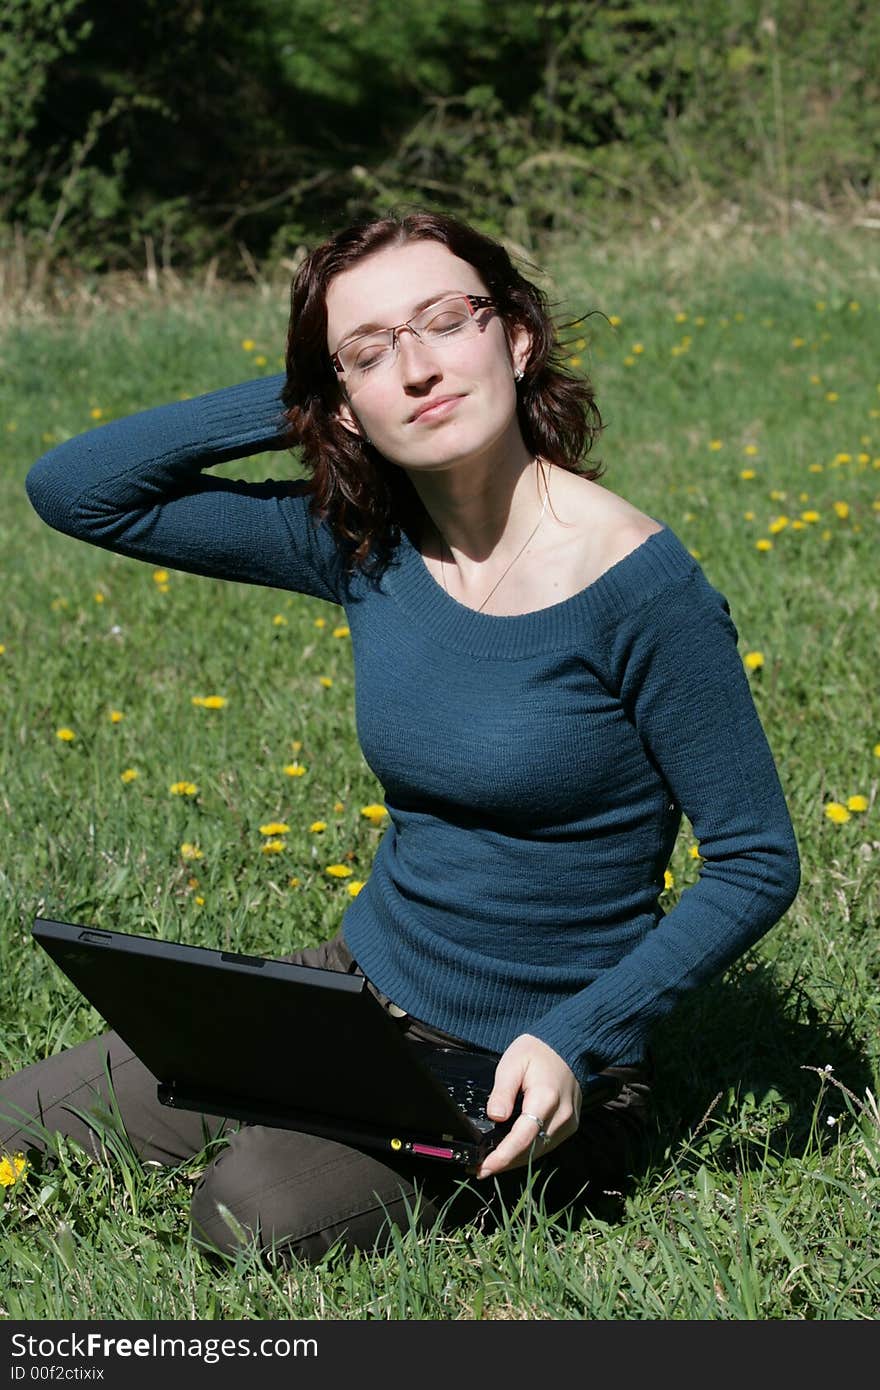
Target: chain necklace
(515, 558)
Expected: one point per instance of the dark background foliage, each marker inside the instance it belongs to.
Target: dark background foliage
(176, 131)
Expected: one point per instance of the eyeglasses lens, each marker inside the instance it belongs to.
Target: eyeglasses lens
(449, 319)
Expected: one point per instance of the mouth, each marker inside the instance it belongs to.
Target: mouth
(433, 410)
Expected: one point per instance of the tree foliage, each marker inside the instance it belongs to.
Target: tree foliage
(194, 129)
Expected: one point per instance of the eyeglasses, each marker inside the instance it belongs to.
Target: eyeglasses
(451, 319)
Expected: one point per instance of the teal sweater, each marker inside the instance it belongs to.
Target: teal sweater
(535, 768)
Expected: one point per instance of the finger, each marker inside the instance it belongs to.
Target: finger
(522, 1143)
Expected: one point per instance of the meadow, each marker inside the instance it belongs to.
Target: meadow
(178, 757)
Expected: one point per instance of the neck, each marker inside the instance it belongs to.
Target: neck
(484, 514)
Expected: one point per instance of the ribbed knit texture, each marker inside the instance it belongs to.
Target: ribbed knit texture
(535, 768)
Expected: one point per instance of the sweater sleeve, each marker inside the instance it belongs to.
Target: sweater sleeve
(675, 665)
(136, 486)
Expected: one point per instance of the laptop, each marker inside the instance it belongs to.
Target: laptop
(289, 1046)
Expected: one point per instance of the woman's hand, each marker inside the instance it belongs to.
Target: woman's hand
(550, 1091)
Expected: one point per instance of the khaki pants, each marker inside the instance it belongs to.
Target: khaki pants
(298, 1191)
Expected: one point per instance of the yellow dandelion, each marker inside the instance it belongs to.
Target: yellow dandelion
(273, 846)
(832, 396)
(215, 702)
(2, 649)
(317, 826)
(843, 458)
(128, 775)
(668, 879)
(260, 361)
(681, 317)
(342, 631)
(699, 321)
(339, 871)
(877, 750)
(857, 803)
(354, 887)
(754, 660)
(747, 474)
(777, 495)
(199, 902)
(374, 812)
(338, 806)
(638, 349)
(279, 620)
(293, 883)
(842, 510)
(296, 744)
(116, 716)
(778, 524)
(326, 681)
(574, 361)
(694, 851)
(190, 851)
(581, 344)
(810, 516)
(99, 598)
(815, 380)
(854, 306)
(837, 813)
(248, 344)
(66, 735)
(798, 342)
(763, 544)
(817, 468)
(183, 789)
(160, 576)
(750, 449)
(163, 588)
(294, 770)
(192, 881)
(629, 361)
(615, 320)
(11, 1169)
(96, 413)
(57, 604)
(716, 444)
(820, 306)
(748, 516)
(320, 622)
(274, 827)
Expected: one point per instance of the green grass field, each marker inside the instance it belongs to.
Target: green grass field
(739, 381)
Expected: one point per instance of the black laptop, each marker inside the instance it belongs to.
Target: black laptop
(290, 1046)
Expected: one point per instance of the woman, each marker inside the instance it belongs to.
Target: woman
(545, 681)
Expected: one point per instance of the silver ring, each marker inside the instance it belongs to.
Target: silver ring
(542, 1133)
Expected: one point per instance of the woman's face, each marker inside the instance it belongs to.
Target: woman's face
(386, 289)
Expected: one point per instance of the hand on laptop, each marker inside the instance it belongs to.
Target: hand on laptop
(550, 1092)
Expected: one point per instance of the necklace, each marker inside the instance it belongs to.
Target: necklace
(513, 561)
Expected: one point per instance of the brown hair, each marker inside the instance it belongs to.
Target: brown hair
(365, 498)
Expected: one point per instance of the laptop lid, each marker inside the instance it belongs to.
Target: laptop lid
(270, 1042)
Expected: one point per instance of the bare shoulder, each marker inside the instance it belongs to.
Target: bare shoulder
(614, 526)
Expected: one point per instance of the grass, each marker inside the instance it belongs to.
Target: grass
(761, 1197)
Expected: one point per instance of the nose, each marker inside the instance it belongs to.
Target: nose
(416, 362)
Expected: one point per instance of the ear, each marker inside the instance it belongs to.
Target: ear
(345, 416)
(520, 342)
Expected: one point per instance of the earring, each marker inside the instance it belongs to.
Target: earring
(518, 374)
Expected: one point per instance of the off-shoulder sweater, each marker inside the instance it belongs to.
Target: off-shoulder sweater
(535, 767)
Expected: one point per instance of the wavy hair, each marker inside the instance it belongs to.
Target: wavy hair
(364, 498)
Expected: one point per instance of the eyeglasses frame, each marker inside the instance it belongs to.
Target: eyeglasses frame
(474, 302)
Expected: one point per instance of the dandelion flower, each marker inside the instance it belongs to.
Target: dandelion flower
(715, 444)
(128, 775)
(750, 449)
(294, 769)
(857, 803)
(342, 631)
(638, 349)
(190, 851)
(354, 887)
(326, 681)
(575, 361)
(764, 544)
(681, 317)
(199, 902)
(374, 812)
(810, 516)
(160, 576)
(317, 826)
(260, 361)
(747, 474)
(338, 806)
(274, 827)
(99, 598)
(293, 883)
(832, 396)
(66, 735)
(842, 510)
(754, 660)
(273, 846)
(11, 1169)
(668, 879)
(339, 871)
(615, 320)
(183, 789)
(837, 813)
(320, 622)
(877, 750)
(210, 701)
(116, 716)
(248, 344)
(694, 851)
(96, 413)
(2, 649)
(279, 620)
